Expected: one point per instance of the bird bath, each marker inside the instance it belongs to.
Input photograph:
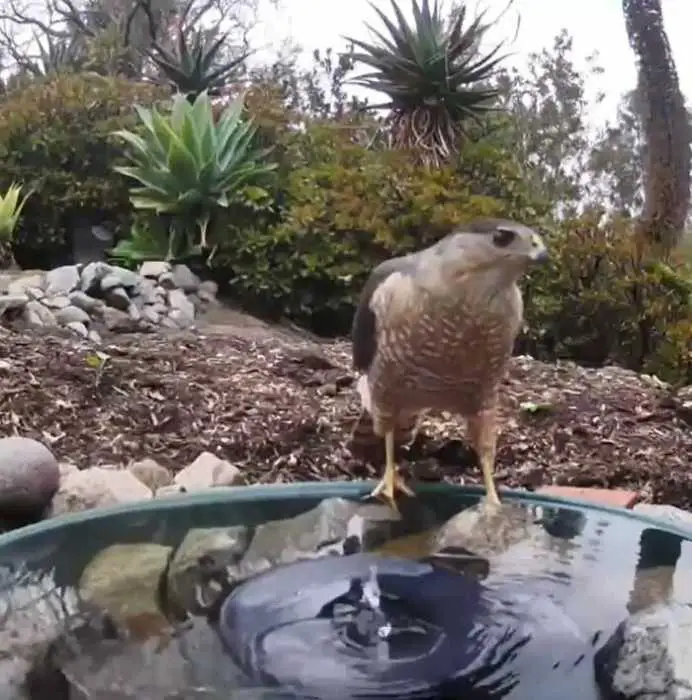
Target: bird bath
(305, 592)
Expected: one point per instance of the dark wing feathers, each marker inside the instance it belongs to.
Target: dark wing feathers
(364, 328)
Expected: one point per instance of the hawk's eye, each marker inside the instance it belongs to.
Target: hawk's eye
(503, 237)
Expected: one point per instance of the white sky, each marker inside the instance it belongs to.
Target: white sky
(594, 25)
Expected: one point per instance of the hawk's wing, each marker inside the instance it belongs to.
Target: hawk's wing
(364, 339)
(364, 335)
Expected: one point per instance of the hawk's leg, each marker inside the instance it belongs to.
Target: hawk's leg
(483, 437)
(391, 481)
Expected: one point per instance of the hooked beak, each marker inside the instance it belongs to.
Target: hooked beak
(539, 253)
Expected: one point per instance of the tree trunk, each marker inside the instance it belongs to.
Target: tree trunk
(665, 128)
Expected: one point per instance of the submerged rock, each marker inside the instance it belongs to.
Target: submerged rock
(486, 532)
(199, 566)
(190, 666)
(33, 614)
(124, 581)
(336, 526)
(649, 657)
(211, 560)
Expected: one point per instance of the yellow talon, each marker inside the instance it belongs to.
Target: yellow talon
(391, 481)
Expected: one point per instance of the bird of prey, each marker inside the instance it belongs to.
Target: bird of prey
(435, 329)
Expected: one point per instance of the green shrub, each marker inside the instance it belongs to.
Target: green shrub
(55, 138)
(345, 208)
(597, 302)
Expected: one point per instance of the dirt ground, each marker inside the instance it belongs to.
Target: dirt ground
(281, 406)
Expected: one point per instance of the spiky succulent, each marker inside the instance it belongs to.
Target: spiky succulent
(195, 67)
(190, 166)
(434, 74)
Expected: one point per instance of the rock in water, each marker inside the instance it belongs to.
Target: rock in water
(649, 657)
(29, 476)
(386, 627)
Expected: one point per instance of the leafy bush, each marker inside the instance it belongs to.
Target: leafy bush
(346, 207)
(55, 138)
(597, 303)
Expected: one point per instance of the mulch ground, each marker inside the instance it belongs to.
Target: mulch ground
(283, 411)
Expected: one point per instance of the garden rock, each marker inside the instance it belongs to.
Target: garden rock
(683, 400)
(96, 487)
(151, 474)
(92, 274)
(484, 532)
(90, 299)
(185, 279)
(71, 314)
(59, 302)
(37, 619)
(29, 475)
(61, 280)
(36, 314)
(154, 269)
(117, 297)
(12, 301)
(119, 321)
(335, 526)
(24, 284)
(207, 471)
(77, 328)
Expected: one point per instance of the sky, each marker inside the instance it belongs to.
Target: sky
(595, 25)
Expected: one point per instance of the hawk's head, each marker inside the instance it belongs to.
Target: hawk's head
(500, 245)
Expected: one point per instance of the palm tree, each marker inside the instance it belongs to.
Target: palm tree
(433, 73)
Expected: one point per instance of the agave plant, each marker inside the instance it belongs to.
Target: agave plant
(10, 211)
(189, 166)
(433, 73)
(195, 66)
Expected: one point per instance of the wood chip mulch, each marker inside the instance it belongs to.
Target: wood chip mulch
(282, 410)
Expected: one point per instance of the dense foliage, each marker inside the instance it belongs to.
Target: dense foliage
(599, 302)
(55, 138)
(345, 207)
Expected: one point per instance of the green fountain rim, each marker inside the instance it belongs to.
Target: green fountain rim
(316, 491)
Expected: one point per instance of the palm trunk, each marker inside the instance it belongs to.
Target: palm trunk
(665, 128)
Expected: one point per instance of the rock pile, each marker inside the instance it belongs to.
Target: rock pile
(96, 297)
(33, 484)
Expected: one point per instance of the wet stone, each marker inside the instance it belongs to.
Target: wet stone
(190, 666)
(325, 530)
(487, 532)
(39, 614)
(124, 581)
(649, 657)
(199, 566)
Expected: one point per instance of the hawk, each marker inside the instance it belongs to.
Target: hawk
(435, 330)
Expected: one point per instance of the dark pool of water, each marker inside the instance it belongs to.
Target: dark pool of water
(567, 592)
